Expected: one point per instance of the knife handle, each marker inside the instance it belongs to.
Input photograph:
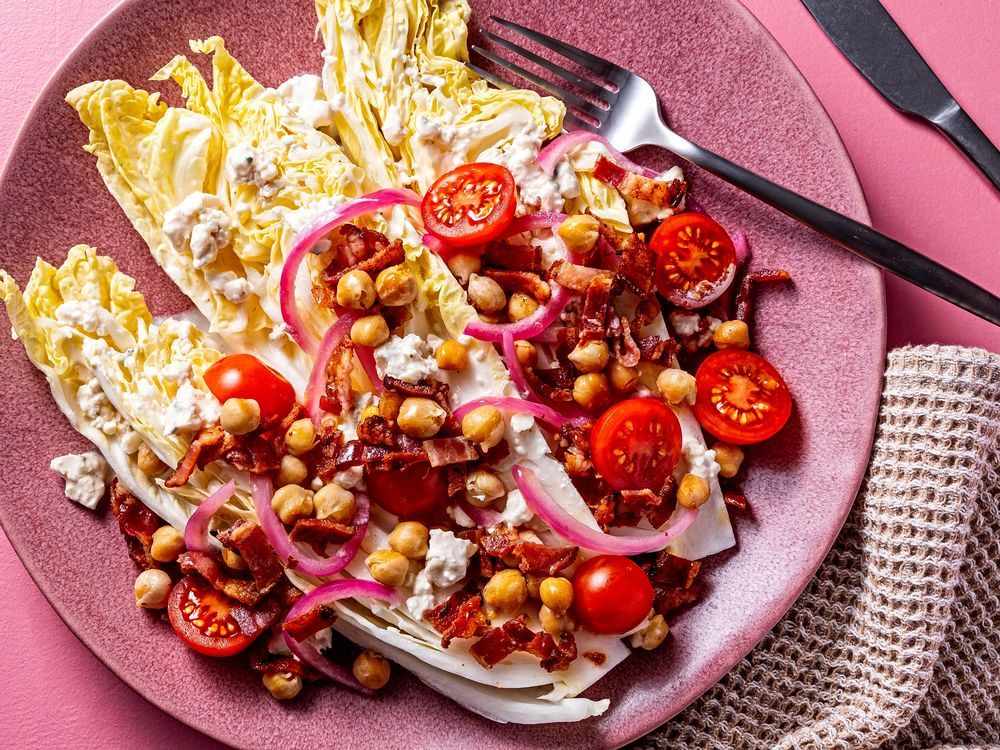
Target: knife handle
(859, 238)
(958, 126)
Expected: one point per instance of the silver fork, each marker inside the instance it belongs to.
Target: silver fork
(627, 112)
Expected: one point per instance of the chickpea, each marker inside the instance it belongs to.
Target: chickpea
(168, 543)
(410, 539)
(356, 290)
(371, 669)
(300, 437)
(463, 265)
(590, 357)
(733, 334)
(152, 589)
(240, 415)
(521, 306)
(283, 686)
(482, 487)
(652, 636)
(534, 586)
(556, 593)
(729, 457)
(396, 286)
(484, 425)
(388, 405)
(506, 591)
(553, 622)
(233, 560)
(292, 471)
(486, 295)
(591, 390)
(292, 502)
(451, 355)
(676, 386)
(623, 379)
(648, 373)
(371, 330)
(333, 501)
(388, 567)
(693, 491)
(526, 353)
(579, 233)
(149, 463)
(420, 417)
(368, 412)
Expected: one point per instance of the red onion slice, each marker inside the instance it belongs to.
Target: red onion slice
(307, 239)
(196, 529)
(546, 414)
(527, 328)
(575, 532)
(741, 246)
(327, 594)
(549, 156)
(295, 557)
(484, 518)
(565, 412)
(534, 222)
(366, 357)
(317, 378)
(694, 299)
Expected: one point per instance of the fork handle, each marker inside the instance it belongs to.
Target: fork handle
(859, 238)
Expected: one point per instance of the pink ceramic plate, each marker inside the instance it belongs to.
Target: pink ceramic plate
(725, 83)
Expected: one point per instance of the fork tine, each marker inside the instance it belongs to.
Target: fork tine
(567, 96)
(500, 83)
(613, 73)
(572, 122)
(567, 75)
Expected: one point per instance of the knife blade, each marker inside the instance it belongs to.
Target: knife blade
(874, 44)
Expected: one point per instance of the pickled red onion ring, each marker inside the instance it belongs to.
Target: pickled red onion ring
(196, 529)
(546, 414)
(741, 246)
(484, 518)
(366, 357)
(549, 156)
(526, 328)
(570, 413)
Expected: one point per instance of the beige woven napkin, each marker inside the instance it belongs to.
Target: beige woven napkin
(895, 642)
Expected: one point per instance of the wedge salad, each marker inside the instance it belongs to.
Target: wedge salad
(442, 397)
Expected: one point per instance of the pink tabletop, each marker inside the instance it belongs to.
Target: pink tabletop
(919, 188)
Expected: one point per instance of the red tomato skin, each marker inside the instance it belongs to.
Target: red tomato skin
(611, 594)
(462, 233)
(189, 633)
(606, 435)
(416, 492)
(779, 404)
(245, 376)
(714, 269)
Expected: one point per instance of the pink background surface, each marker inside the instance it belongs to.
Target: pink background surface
(919, 188)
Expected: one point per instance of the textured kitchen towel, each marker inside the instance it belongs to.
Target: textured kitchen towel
(894, 645)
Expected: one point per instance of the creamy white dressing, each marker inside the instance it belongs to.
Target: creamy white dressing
(86, 476)
(409, 358)
(198, 225)
(305, 97)
(445, 565)
(247, 165)
(95, 406)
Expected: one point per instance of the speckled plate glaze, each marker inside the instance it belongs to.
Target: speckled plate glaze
(725, 83)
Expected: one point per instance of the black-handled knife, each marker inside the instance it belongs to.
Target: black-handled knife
(869, 37)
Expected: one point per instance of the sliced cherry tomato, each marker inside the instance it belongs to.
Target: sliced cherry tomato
(470, 205)
(418, 491)
(245, 376)
(611, 594)
(741, 397)
(696, 260)
(203, 618)
(636, 444)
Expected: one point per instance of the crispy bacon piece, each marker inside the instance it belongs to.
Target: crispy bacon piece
(208, 567)
(255, 620)
(764, 276)
(377, 430)
(625, 348)
(657, 350)
(384, 254)
(553, 383)
(319, 532)
(638, 265)
(645, 313)
(574, 276)
(310, 623)
(597, 657)
(338, 374)
(456, 474)
(659, 192)
(449, 450)
(666, 502)
(207, 439)
(322, 459)
(514, 257)
(429, 389)
(596, 303)
(525, 282)
(352, 243)
(673, 580)
(515, 635)
(460, 616)
(264, 662)
(735, 498)
(355, 453)
(500, 542)
(137, 524)
(537, 559)
(249, 541)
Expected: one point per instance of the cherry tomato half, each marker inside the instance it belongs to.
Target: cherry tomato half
(741, 397)
(470, 205)
(611, 594)
(417, 491)
(696, 259)
(203, 618)
(245, 376)
(636, 444)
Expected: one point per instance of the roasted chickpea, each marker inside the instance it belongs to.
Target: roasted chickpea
(300, 437)
(388, 567)
(590, 357)
(333, 501)
(482, 487)
(676, 386)
(693, 491)
(420, 417)
(371, 330)
(534, 585)
(506, 592)
(463, 265)
(451, 355)
(484, 426)
(733, 334)
(149, 463)
(371, 669)
(240, 415)
(368, 412)
(410, 539)
(521, 306)
(292, 502)
(233, 560)
(485, 294)
(356, 290)
(648, 373)
(152, 589)
(292, 471)
(526, 353)
(579, 233)
(554, 622)
(396, 286)
(653, 634)
(623, 379)
(729, 457)
(556, 593)
(591, 390)
(168, 544)
(283, 686)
